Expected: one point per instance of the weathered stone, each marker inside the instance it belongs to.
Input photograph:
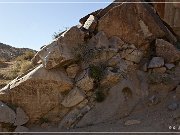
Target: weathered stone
(100, 40)
(7, 115)
(167, 51)
(84, 81)
(119, 103)
(132, 122)
(156, 62)
(21, 129)
(135, 23)
(60, 51)
(153, 100)
(73, 116)
(72, 70)
(38, 91)
(110, 78)
(74, 97)
(173, 106)
(115, 42)
(159, 70)
(57, 113)
(21, 117)
(90, 23)
(84, 19)
(133, 55)
(169, 66)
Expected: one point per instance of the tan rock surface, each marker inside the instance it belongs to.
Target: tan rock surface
(167, 51)
(74, 97)
(134, 23)
(37, 92)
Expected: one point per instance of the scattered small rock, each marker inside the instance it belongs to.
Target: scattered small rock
(159, 70)
(169, 66)
(21, 129)
(156, 62)
(173, 106)
(132, 122)
(153, 100)
(72, 70)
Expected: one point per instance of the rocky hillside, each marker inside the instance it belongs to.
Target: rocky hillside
(8, 52)
(118, 71)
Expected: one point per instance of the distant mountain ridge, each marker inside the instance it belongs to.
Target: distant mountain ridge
(8, 52)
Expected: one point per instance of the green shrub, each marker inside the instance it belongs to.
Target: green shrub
(97, 71)
(99, 95)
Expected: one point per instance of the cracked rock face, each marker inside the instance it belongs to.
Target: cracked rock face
(38, 91)
(134, 24)
(167, 51)
(74, 97)
(59, 52)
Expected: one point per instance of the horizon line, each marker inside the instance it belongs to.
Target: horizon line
(68, 2)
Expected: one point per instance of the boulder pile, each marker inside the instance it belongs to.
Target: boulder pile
(119, 55)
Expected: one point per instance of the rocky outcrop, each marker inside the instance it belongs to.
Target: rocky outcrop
(37, 92)
(92, 74)
(122, 98)
(60, 51)
(134, 23)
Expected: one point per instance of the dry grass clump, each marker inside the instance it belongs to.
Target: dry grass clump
(28, 55)
(19, 68)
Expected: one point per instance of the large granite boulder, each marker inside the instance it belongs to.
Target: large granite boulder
(60, 51)
(37, 92)
(135, 23)
(167, 51)
(7, 115)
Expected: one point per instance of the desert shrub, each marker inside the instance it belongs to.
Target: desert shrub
(82, 53)
(8, 127)
(25, 66)
(19, 68)
(85, 53)
(57, 34)
(97, 71)
(13, 73)
(155, 78)
(99, 95)
(28, 55)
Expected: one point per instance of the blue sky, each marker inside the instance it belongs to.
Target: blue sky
(32, 25)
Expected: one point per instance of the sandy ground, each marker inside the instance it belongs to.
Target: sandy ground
(156, 118)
